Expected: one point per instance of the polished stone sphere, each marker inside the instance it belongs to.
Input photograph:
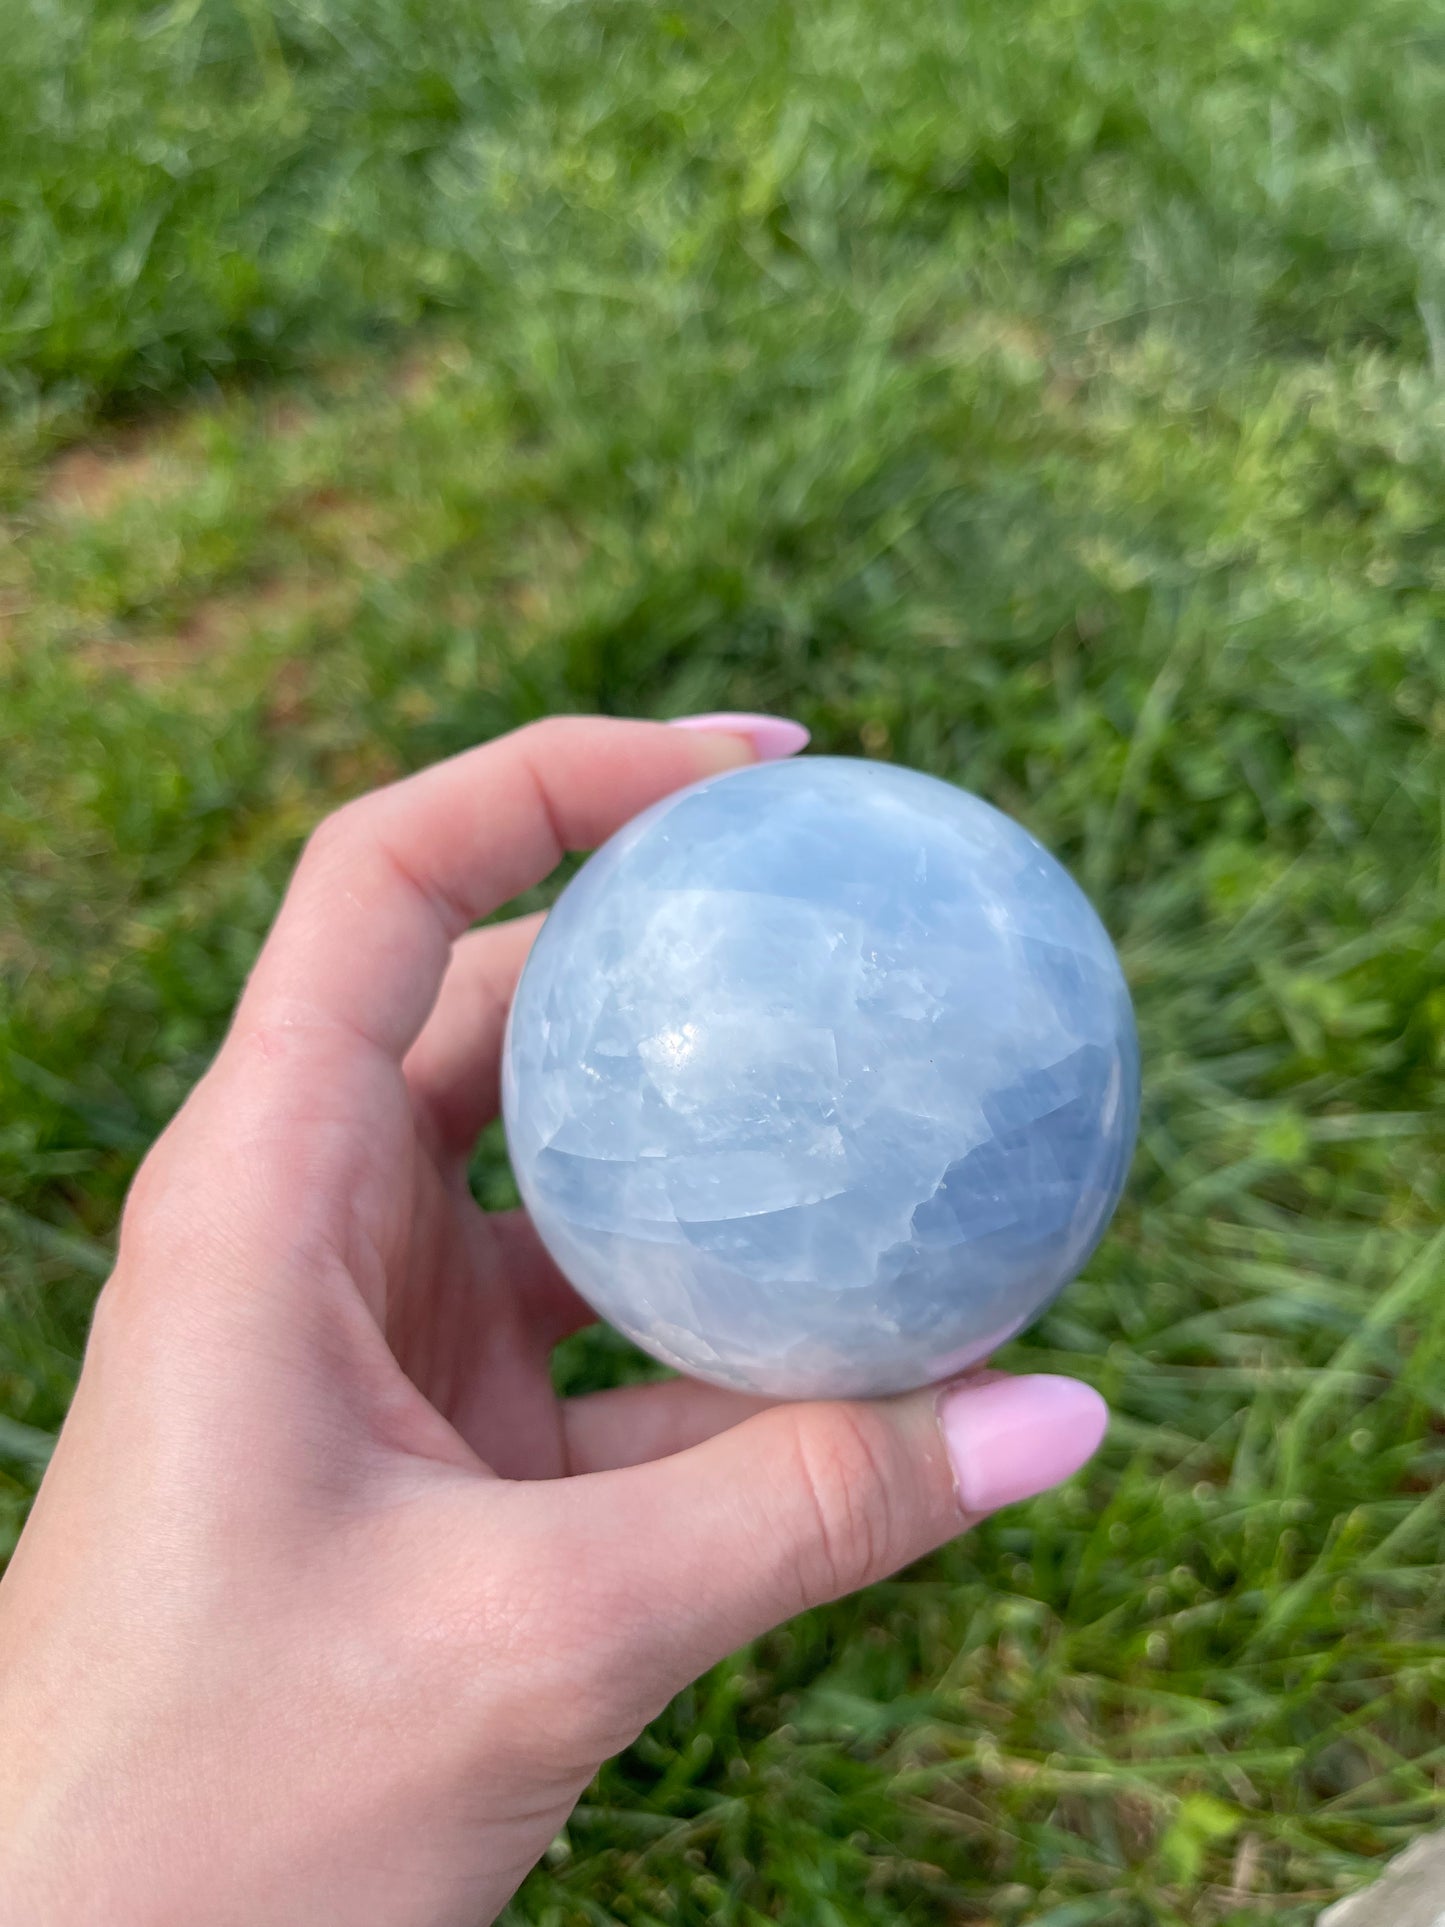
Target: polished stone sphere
(821, 1079)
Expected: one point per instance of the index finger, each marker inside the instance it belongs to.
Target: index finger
(389, 882)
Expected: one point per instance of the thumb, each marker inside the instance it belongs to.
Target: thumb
(805, 1502)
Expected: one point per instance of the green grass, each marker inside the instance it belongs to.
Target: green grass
(1052, 397)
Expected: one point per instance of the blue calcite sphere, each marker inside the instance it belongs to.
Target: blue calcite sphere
(821, 1079)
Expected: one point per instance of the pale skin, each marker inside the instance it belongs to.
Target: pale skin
(328, 1609)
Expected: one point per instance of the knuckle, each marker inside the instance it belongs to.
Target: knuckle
(338, 833)
(113, 1315)
(145, 1216)
(843, 1460)
(138, 1320)
(548, 735)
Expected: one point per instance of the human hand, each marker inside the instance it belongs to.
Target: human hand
(328, 1609)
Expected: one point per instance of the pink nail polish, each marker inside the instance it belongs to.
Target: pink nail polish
(770, 736)
(1015, 1437)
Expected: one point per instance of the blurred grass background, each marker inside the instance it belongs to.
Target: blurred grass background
(1048, 395)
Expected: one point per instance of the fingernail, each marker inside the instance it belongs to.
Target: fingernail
(770, 736)
(1016, 1437)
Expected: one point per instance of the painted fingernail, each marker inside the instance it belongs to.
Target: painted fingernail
(1016, 1437)
(770, 736)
